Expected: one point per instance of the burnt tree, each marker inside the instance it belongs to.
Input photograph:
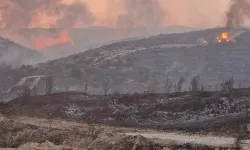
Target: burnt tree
(86, 88)
(106, 87)
(195, 83)
(228, 85)
(168, 85)
(180, 84)
(49, 85)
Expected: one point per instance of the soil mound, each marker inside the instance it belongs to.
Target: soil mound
(121, 142)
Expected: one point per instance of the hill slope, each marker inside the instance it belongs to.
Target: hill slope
(143, 65)
(16, 55)
(86, 38)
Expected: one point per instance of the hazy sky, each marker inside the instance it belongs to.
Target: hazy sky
(195, 13)
(198, 13)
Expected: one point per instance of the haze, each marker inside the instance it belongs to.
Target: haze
(194, 13)
(106, 13)
(125, 74)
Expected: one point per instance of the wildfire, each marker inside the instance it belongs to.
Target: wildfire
(224, 38)
(204, 42)
(44, 42)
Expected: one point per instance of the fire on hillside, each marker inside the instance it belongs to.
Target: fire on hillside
(43, 42)
(222, 38)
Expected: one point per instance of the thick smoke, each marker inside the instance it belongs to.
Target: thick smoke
(141, 13)
(75, 13)
(238, 12)
(20, 14)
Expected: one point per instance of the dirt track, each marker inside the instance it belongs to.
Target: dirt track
(217, 141)
(196, 139)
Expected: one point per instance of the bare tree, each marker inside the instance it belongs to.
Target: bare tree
(228, 85)
(106, 87)
(168, 85)
(86, 88)
(49, 85)
(49, 119)
(175, 87)
(34, 91)
(93, 124)
(180, 84)
(24, 94)
(195, 83)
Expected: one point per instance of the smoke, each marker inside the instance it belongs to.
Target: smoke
(238, 12)
(58, 14)
(75, 13)
(110, 13)
(141, 13)
(126, 14)
(54, 13)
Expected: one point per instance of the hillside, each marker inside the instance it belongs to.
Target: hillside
(86, 38)
(215, 112)
(133, 86)
(14, 54)
(144, 64)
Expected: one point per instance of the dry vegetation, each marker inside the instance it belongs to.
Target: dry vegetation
(198, 111)
(26, 133)
(15, 134)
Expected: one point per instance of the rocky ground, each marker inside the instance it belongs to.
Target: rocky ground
(26, 133)
(181, 111)
(74, 120)
(144, 64)
(46, 135)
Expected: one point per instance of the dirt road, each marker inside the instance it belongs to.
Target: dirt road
(217, 141)
(196, 139)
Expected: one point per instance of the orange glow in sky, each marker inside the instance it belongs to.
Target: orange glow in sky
(43, 42)
(195, 13)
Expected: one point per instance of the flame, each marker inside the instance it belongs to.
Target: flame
(204, 42)
(43, 42)
(224, 38)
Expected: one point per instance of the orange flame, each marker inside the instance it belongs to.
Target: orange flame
(204, 42)
(43, 42)
(223, 38)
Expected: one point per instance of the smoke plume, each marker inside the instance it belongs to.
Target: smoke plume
(238, 12)
(141, 13)
(19, 14)
(126, 14)
(111, 13)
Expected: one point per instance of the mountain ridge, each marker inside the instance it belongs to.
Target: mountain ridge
(144, 64)
(14, 54)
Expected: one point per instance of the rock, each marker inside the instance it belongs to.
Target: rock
(44, 146)
(123, 142)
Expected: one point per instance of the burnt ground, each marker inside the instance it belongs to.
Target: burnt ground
(34, 133)
(199, 112)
